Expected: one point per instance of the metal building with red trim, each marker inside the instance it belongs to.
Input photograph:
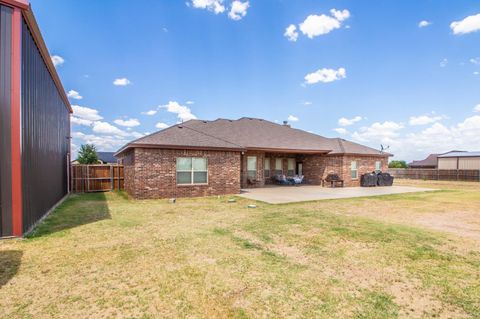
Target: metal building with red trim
(34, 123)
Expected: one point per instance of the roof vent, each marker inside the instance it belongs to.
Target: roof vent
(180, 126)
(285, 123)
(204, 122)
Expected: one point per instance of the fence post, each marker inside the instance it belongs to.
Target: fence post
(111, 178)
(88, 179)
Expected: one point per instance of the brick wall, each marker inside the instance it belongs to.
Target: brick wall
(317, 167)
(365, 164)
(152, 174)
(314, 167)
(129, 171)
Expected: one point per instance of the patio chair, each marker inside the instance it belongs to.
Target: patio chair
(282, 180)
(251, 181)
(298, 179)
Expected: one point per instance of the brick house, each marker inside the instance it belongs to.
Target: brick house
(204, 158)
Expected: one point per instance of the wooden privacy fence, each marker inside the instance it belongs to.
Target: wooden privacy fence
(437, 174)
(96, 178)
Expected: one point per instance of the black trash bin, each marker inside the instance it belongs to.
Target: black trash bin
(368, 180)
(384, 179)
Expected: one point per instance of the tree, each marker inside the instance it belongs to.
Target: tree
(397, 164)
(87, 154)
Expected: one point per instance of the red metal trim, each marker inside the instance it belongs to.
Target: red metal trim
(22, 4)
(17, 212)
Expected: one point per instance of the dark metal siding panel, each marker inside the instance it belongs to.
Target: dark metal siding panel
(5, 117)
(45, 136)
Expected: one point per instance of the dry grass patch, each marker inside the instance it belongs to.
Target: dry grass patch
(103, 255)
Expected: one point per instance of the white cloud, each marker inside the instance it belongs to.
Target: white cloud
(467, 25)
(184, 113)
(341, 130)
(150, 112)
(104, 142)
(121, 82)
(74, 95)
(346, 122)
(127, 123)
(86, 113)
(435, 138)
(315, 25)
(382, 132)
(340, 15)
(476, 73)
(238, 10)
(424, 23)
(57, 60)
(307, 103)
(190, 102)
(477, 108)
(475, 61)
(424, 119)
(79, 121)
(293, 118)
(325, 76)
(211, 5)
(291, 33)
(444, 63)
(161, 126)
(107, 128)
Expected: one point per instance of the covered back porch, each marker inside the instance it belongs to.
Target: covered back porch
(261, 168)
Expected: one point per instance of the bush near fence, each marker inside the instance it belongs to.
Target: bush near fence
(436, 174)
(96, 178)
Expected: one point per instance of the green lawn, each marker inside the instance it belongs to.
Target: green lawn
(103, 255)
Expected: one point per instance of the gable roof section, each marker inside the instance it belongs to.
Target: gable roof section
(430, 161)
(182, 136)
(248, 134)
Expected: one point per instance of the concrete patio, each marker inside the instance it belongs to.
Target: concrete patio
(291, 194)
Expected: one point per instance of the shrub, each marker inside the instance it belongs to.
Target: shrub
(397, 164)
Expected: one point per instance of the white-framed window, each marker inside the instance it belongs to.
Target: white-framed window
(279, 166)
(192, 170)
(266, 167)
(354, 170)
(378, 166)
(251, 166)
(291, 167)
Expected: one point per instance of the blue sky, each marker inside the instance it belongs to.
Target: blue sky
(367, 71)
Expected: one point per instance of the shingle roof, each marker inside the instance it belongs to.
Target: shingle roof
(430, 161)
(107, 157)
(248, 134)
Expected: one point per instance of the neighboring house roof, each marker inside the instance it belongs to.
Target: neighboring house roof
(430, 161)
(460, 154)
(248, 134)
(107, 157)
